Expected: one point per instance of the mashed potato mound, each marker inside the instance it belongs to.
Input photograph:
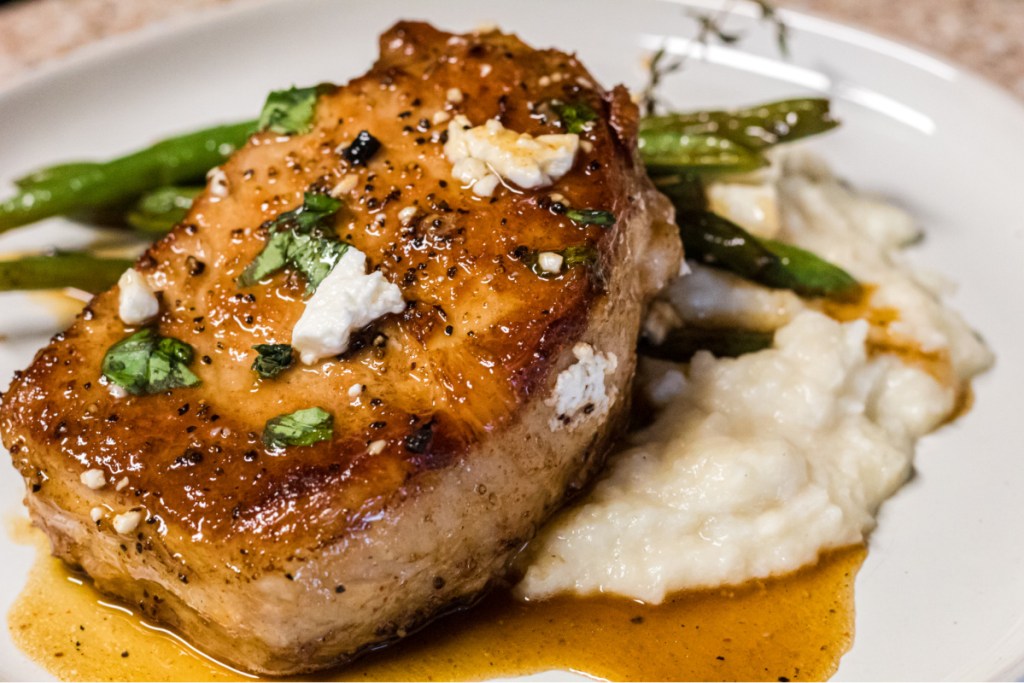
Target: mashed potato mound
(755, 465)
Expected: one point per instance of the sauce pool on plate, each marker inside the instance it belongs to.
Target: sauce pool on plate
(794, 627)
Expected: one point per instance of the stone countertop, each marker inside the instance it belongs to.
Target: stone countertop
(984, 35)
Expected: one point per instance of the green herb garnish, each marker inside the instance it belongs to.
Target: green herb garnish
(300, 238)
(272, 359)
(575, 116)
(591, 217)
(301, 428)
(146, 363)
(290, 111)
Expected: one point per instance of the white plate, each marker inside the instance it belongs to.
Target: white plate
(941, 595)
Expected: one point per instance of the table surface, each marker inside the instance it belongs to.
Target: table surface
(984, 35)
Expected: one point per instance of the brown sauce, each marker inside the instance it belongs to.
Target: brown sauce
(882, 339)
(793, 627)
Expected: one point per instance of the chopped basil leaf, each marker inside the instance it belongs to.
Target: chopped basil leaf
(575, 116)
(272, 359)
(289, 111)
(315, 210)
(362, 148)
(301, 428)
(146, 363)
(591, 217)
(578, 256)
(314, 256)
(299, 238)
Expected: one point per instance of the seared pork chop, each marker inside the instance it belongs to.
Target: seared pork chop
(461, 418)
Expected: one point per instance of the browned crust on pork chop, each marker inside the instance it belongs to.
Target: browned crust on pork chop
(289, 561)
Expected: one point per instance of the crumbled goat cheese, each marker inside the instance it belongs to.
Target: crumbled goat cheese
(136, 301)
(406, 215)
(218, 180)
(126, 522)
(348, 299)
(345, 185)
(355, 390)
(454, 95)
(121, 485)
(377, 447)
(550, 262)
(94, 479)
(484, 155)
(441, 116)
(580, 392)
(116, 390)
(96, 514)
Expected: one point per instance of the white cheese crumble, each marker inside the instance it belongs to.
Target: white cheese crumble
(117, 391)
(550, 261)
(406, 215)
(483, 156)
(440, 117)
(127, 522)
(355, 390)
(376, 447)
(94, 479)
(218, 180)
(347, 300)
(136, 301)
(121, 484)
(96, 514)
(580, 392)
(454, 95)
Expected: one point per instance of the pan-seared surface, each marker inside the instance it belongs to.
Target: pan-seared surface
(283, 561)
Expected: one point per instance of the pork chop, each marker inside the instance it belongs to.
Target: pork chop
(456, 423)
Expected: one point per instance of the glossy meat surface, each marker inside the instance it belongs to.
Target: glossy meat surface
(376, 540)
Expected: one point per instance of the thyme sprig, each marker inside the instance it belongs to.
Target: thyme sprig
(710, 29)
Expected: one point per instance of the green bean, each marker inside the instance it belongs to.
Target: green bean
(49, 173)
(755, 128)
(667, 150)
(63, 269)
(718, 242)
(683, 342)
(810, 275)
(76, 187)
(685, 190)
(158, 211)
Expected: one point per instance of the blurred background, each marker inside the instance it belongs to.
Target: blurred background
(984, 35)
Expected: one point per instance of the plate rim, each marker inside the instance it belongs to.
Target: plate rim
(92, 55)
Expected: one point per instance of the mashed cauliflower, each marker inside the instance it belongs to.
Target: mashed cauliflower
(755, 465)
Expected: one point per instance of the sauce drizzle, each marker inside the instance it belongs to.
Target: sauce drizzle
(794, 627)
